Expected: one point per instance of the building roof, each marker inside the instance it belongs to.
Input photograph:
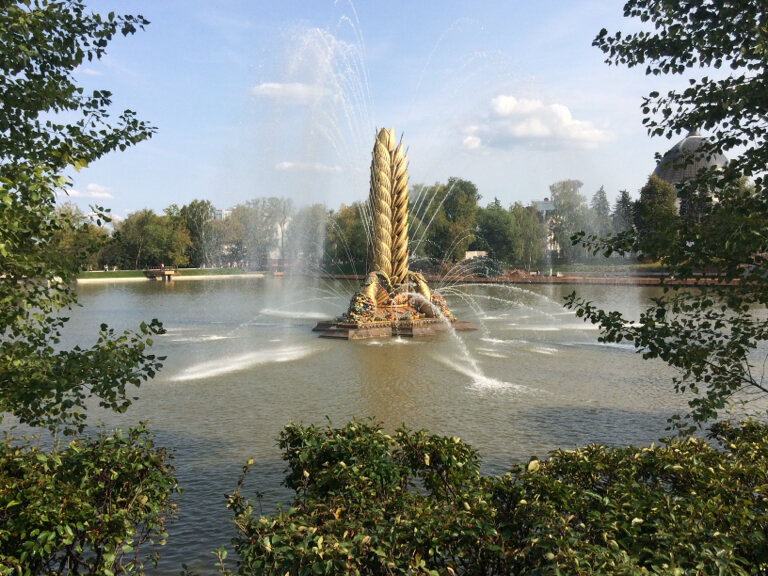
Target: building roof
(684, 160)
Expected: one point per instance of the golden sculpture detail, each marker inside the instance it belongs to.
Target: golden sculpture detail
(392, 300)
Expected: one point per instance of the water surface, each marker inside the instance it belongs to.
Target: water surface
(242, 362)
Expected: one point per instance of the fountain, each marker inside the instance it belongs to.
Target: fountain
(393, 301)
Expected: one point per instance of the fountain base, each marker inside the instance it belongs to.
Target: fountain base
(407, 329)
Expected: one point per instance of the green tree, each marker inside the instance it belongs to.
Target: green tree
(198, 218)
(149, 240)
(78, 239)
(497, 232)
(346, 240)
(601, 210)
(305, 240)
(715, 333)
(87, 508)
(42, 46)
(569, 216)
(260, 234)
(531, 241)
(655, 215)
(623, 215)
(444, 217)
(281, 213)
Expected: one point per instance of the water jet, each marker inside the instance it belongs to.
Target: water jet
(393, 300)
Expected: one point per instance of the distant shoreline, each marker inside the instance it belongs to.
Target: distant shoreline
(583, 279)
(176, 278)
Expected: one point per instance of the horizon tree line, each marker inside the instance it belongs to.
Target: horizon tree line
(447, 221)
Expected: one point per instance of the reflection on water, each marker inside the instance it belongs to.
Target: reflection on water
(243, 362)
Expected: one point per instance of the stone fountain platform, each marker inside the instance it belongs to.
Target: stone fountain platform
(408, 329)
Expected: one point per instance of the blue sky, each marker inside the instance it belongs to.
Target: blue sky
(284, 98)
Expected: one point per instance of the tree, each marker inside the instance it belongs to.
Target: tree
(601, 210)
(655, 215)
(713, 334)
(89, 507)
(443, 221)
(280, 214)
(41, 48)
(198, 218)
(259, 232)
(623, 215)
(346, 240)
(149, 240)
(305, 241)
(497, 232)
(531, 241)
(569, 217)
(79, 239)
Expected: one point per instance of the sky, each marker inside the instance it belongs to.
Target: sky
(255, 98)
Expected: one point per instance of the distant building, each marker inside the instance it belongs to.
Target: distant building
(684, 161)
(686, 158)
(544, 208)
(220, 214)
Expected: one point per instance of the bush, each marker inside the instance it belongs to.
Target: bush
(415, 503)
(84, 509)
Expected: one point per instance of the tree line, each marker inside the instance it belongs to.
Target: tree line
(447, 220)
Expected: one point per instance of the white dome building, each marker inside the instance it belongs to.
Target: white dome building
(685, 159)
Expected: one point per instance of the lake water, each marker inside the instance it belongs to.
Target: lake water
(243, 362)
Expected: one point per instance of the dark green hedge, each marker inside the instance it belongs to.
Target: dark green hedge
(415, 503)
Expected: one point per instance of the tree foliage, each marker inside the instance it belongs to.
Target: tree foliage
(47, 125)
(198, 218)
(531, 242)
(570, 215)
(93, 507)
(714, 334)
(346, 240)
(443, 219)
(497, 232)
(78, 240)
(416, 503)
(623, 215)
(87, 508)
(145, 239)
(655, 216)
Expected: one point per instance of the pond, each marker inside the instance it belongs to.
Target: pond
(242, 362)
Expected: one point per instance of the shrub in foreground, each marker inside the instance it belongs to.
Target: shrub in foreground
(416, 503)
(92, 507)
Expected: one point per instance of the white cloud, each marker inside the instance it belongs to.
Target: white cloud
(289, 91)
(515, 121)
(91, 191)
(88, 71)
(288, 166)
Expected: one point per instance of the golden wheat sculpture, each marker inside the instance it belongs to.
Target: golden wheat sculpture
(393, 301)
